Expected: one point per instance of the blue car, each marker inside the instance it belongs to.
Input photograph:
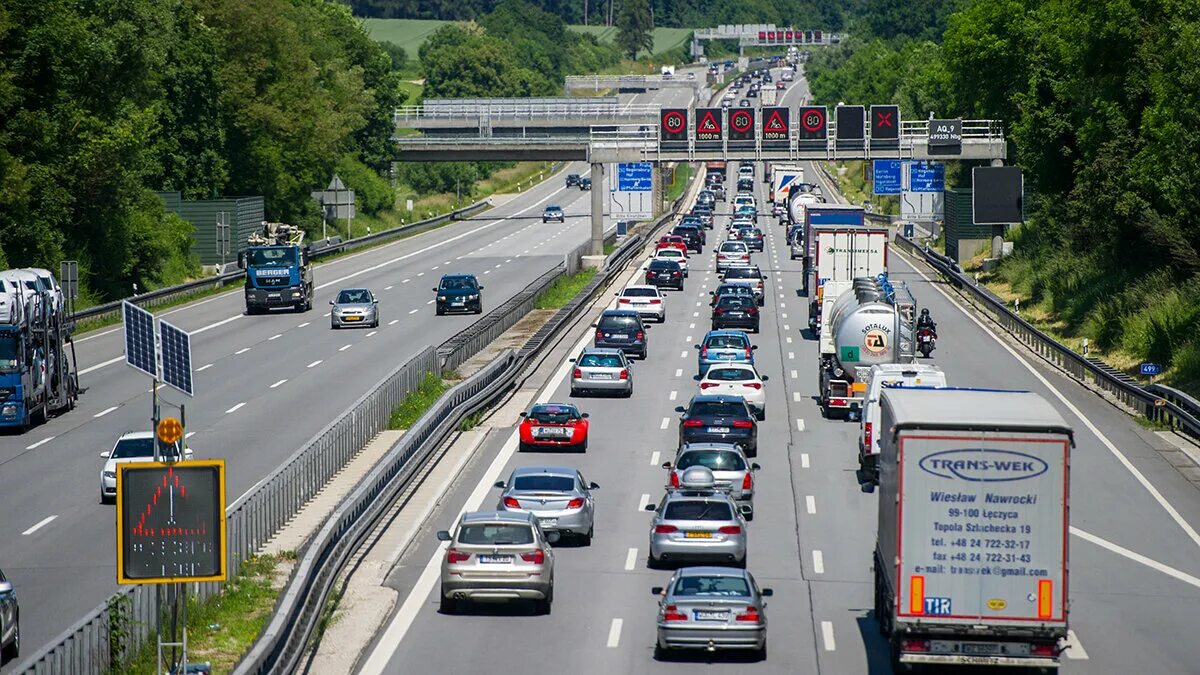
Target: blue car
(724, 346)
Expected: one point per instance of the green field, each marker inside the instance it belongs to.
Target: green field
(411, 33)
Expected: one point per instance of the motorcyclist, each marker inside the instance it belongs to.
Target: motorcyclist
(926, 321)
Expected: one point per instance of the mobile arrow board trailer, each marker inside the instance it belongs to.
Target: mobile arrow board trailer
(971, 555)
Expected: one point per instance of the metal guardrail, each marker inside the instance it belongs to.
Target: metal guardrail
(170, 294)
(530, 111)
(1156, 402)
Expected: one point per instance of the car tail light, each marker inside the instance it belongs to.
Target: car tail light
(536, 557)
(665, 529)
(748, 350)
(675, 274)
(748, 481)
(456, 556)
(672, 613)
(576, 503)
(655, 301)
(707, 385)
(674, 479)
(704, 352)
(512, 503)
(623, 301)
(578, 374)
(868, 435)
(718, 310)
(752, 310)
(914, 645)
(743, 424)
(1044, 650)
(599, 335)
(751, 614)
(640, 335)
(624, 374)
(837, 401)
(693, 423)
(730, 529)
(752, 385)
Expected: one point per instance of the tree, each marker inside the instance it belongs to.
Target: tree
(635, 27)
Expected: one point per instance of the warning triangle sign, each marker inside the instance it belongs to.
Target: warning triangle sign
(775, 123)
(708, 124)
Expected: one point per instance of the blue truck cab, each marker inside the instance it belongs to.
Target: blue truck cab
(278, 270)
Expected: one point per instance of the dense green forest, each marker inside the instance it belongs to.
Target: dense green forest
(824, 14)
(1100, 102)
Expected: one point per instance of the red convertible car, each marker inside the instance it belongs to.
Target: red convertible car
(554, 425)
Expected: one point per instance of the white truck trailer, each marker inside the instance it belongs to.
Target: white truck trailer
(971, 549)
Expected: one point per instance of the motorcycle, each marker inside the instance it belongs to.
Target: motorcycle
(926, 341)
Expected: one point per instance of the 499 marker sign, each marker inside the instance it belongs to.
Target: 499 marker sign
(674, 124)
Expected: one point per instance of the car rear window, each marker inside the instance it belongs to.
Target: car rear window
(660, 264)
(553, 414)
(730, 374)
(726, 342)
(717, 409)
(716, 460)
(617, 322)
(134, 447)
(670, 253)
(697, 510)
(600, 361)
(544, 483)
(742, 273)
(733, 247)
(735, 302)
(724, 587)
(495, 534)
(641, 293)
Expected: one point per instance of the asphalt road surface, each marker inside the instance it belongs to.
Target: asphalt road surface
(1135, 591)
(264, 385)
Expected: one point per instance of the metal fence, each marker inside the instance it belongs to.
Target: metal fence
(1156, 402)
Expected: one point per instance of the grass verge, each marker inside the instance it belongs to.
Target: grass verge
(679, 181)
(564, 289)
(417, 402)
(223, 627)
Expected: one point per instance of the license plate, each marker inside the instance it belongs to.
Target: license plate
(619, 336)
(551, 431)
(548, 522)
(711, 615)
(980, 648)
(459, 303)
(601, 376)
(351, 318)
(718, 430)
(726, 357)
(272, 295)
(697, 535)
(495, 559)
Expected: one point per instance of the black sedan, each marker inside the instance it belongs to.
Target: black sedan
(693, 235)
(459, 293)
(719, 419)
(735, 311)
(664, 273)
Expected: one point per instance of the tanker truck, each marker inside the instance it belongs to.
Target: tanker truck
(871, 322)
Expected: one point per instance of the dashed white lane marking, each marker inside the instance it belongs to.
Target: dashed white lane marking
(796, 396)
(791, 355)
(804, 460)
(487, 271)
(388, 288)
(204, 367)
(799, 424)
(827, 636)
(235, 408)
(497, 266)
(420, 274)
(794, 374)
(42, 523)
(1074, 648)
(413, 311)
(683, 355)
(783, 315)
(654, 457)
(104, 412)
(278, 383)
(436, 266)
(789, 339)
(344, 347)
(372, 333)
(393, 322)
(665, 423)
(39, 443)
(630, 559)
(786, 327)
(642, 502)
(691, 325)
(695, 313)
(314, 364)
(243, 350)
(406, 281)
(810, 504)
(614, 634)
(698, 303)
(275, 337)
(818, 562)
(431, 302)
(688, 339)
(782, 305)
(304, 324)
(509, 260)
(679, 372)
(674, 394)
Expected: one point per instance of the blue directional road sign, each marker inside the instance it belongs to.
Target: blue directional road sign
(887, 176)
(1149, 369)
(926, 177)
(635, 177)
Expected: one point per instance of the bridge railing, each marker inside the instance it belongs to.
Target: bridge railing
(531, 111)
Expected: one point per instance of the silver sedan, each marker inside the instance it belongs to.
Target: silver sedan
(601, 369)
(697, 522)
(557, 496)
(711, 608)
(354, 307)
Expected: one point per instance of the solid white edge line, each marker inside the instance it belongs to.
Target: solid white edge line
(1136, 557)
(614, 634)
(41, 523)
(1133, 470)
(827, 636)
(631, 559)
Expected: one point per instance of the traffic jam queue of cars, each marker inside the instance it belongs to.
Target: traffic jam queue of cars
(699, 528)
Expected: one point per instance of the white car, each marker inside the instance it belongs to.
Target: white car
(732, 253)
(135, 446)
(647, 301)
(746, 172)
(737, 379)
(743, 200)
(673, 254)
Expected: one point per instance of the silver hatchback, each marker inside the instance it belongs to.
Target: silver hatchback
(601, 369)
(354, 307)
(697, 522)
(557, 495)
(732, 472)
(711, 608)
(498, 556)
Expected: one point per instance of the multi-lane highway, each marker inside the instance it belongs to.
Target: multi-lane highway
(265, 384)
(1135, 568)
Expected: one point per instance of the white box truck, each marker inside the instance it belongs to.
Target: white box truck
(881, 376)
(971, 554)
(783, 178)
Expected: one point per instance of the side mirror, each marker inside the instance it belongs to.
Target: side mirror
(753, 346)
(657, 590)
(667, 465)
(242, 261)
(593, 486)
(524, 414)
(553, 537)
(695, 346)
(745, 509)
(755, 467)
(434, 290)
(767, 592)
(6, 587)
(680, 409)
(616, 295)
(106, 454)
(443, 535)
(500, 484)
(584, 416)
(764, 378)
(374, 302)
(593, 325)
(481, 288)
(651, 507)
(330, 302)
(571, 360)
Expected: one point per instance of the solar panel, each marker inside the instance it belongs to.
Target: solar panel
(176, 357)
(139, 338)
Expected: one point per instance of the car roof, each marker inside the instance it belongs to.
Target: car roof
(604, 351)
(955, 407)
(709, 446)
(544, 471)
(458, 276)
(717, 398)
(553, 207)
(131, 435)
(344, 290)
(514, 517)
(623, 313)
(711, 571)
(639, 286)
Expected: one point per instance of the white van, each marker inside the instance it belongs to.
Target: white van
(887, 375)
